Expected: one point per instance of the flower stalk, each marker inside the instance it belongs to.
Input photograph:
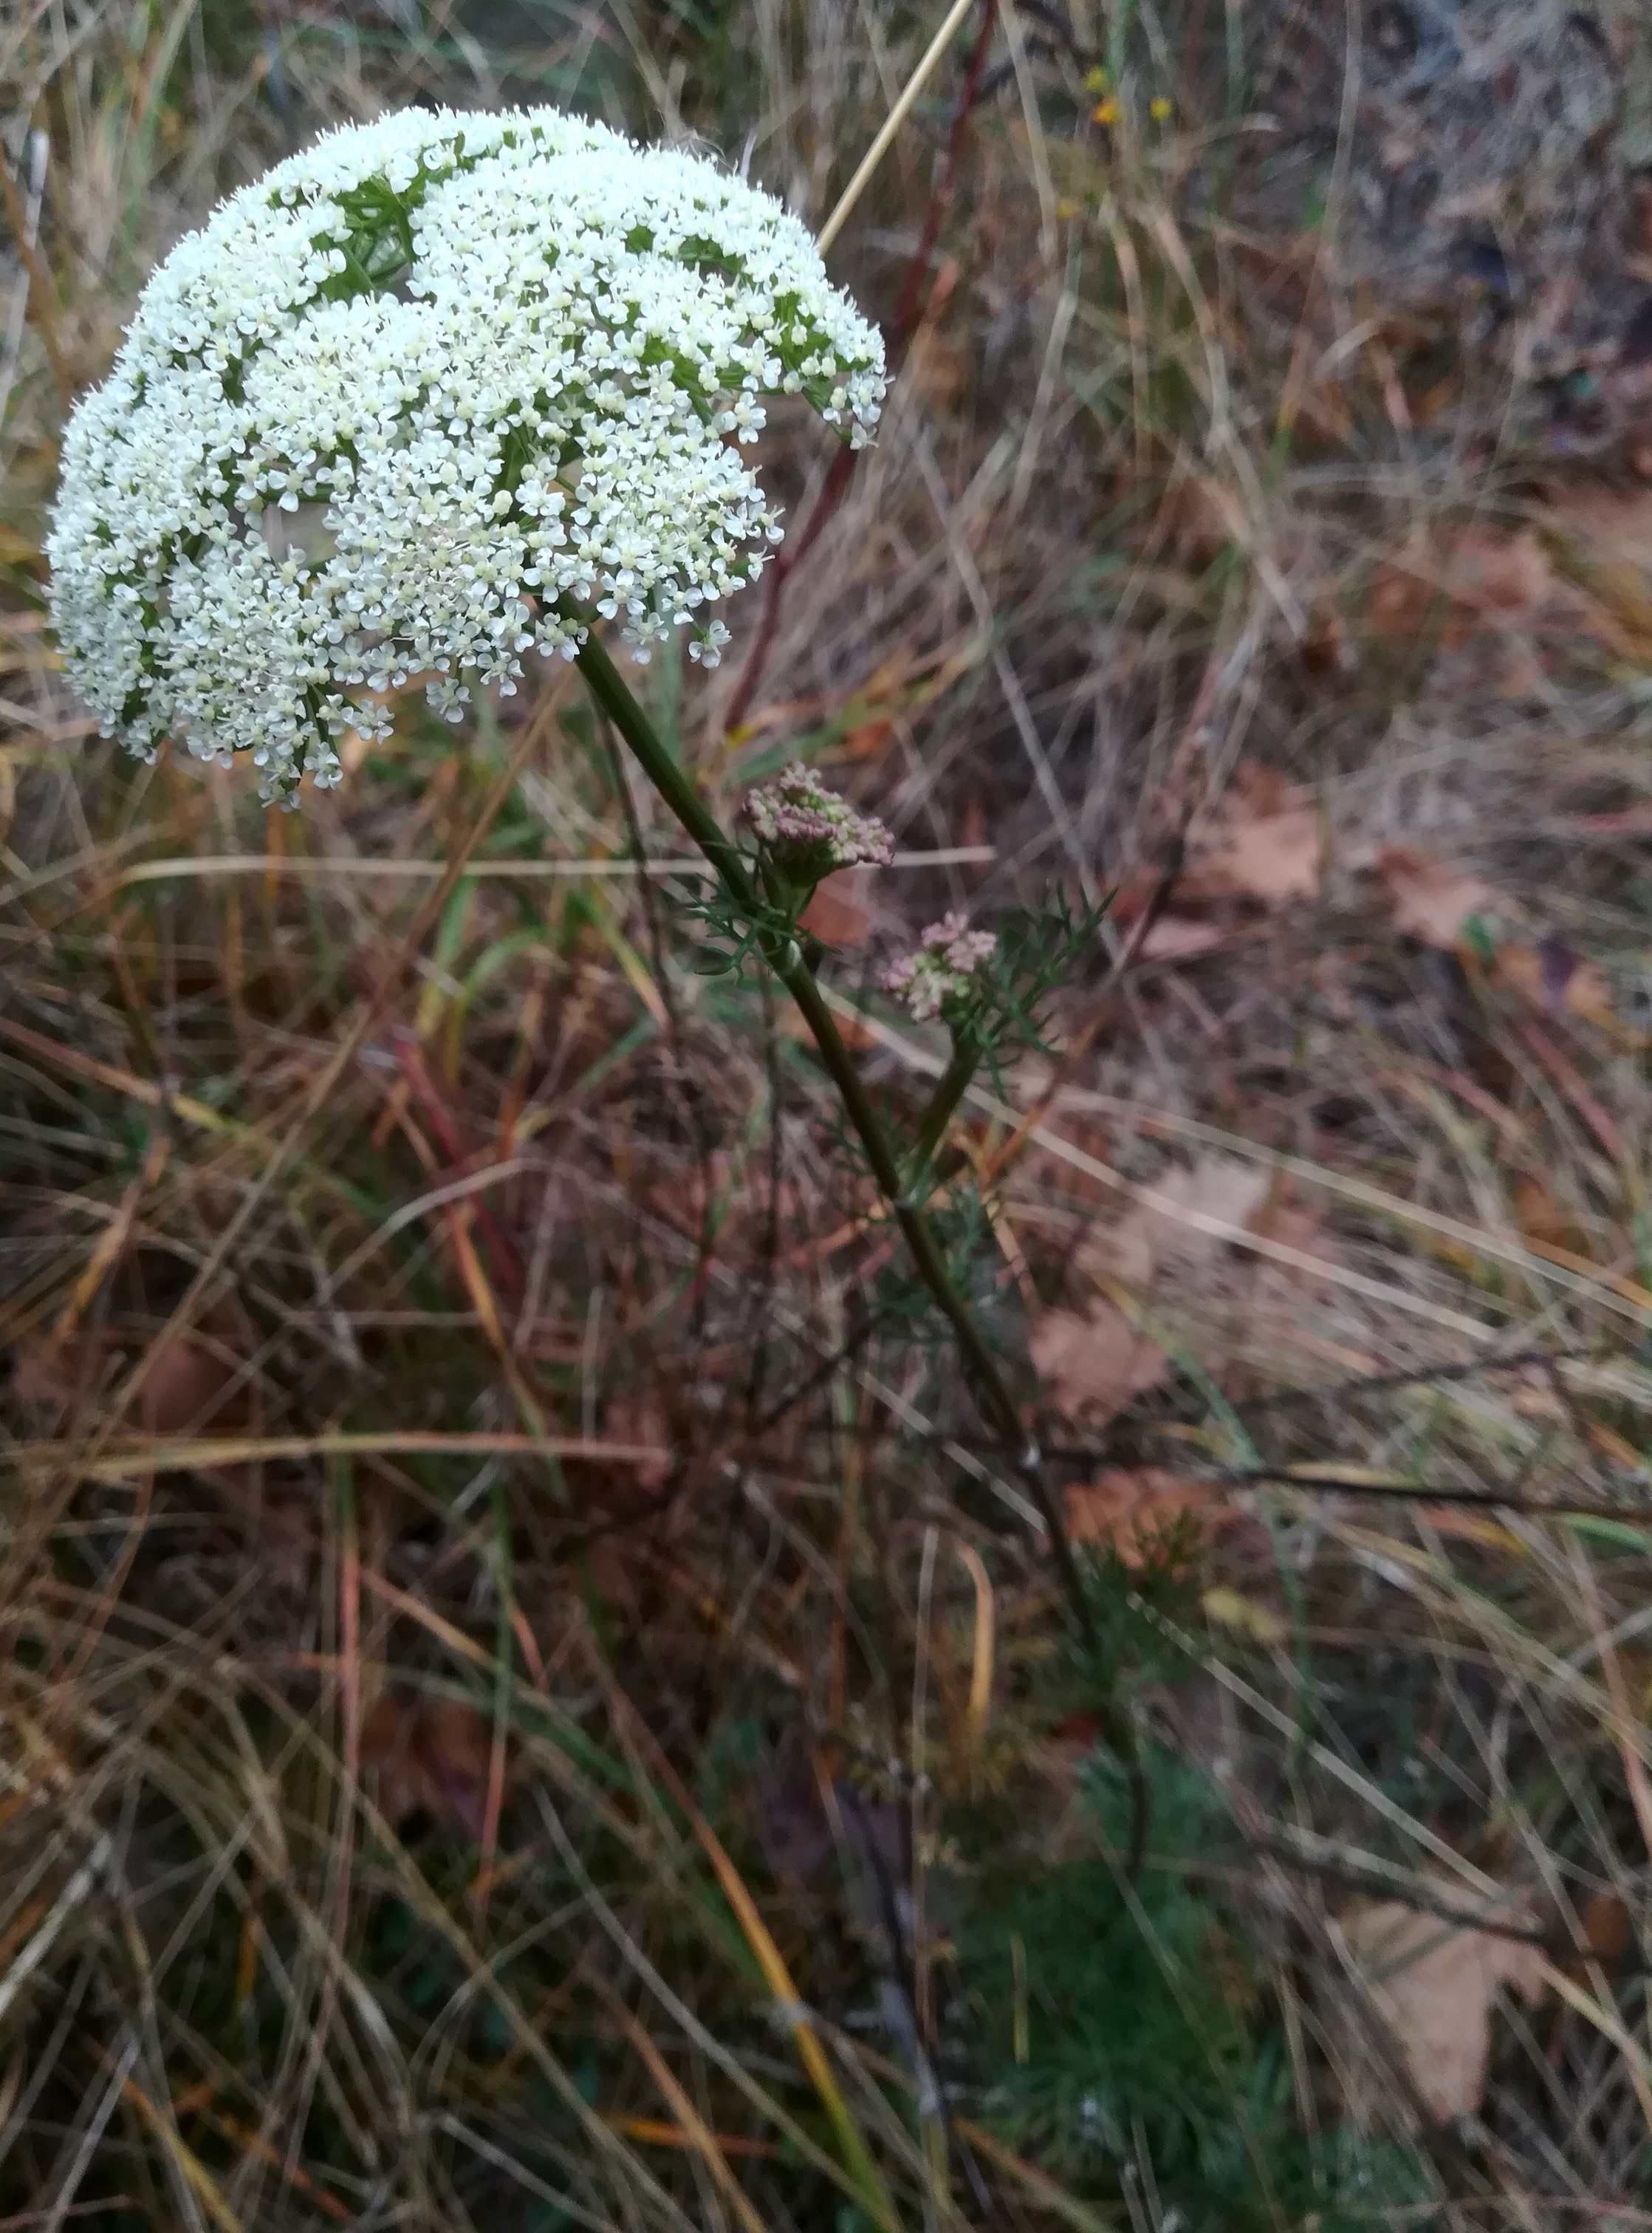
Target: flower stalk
(899, 1180)
(950, 1089)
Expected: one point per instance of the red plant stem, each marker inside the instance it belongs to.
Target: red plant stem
(914, 295)
(503, 1261)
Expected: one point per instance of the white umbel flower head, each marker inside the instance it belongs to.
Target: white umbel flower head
(429, 397)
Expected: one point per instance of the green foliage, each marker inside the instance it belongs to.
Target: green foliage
(1128, 2032)
(733, 937)
(1128, 1606)
(1038, 949)
(974, 1264)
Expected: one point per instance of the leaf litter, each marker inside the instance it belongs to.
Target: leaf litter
(1435, 1983)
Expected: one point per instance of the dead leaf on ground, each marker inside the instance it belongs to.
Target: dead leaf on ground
(430, 1756)
(1432, 900)
(1219, 1188)
(837, 915)
(858, 1038)
(1479, 575)
(45, 1373)
(1177, 938)
(1299, 1223)
(1551, 975)
(1608, 1930)
(1093, 1363)
(868, 740)
(1190, 525)
(1538, 1214)
(1173, 1229)
(1609, 533)
(1130, 1508)
(1508, 575)
(189, 1391)
(1436, 1984)
(1276, 858)
(637, 1420)
(1263, 843)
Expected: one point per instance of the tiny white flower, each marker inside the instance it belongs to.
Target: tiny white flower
(481, 370)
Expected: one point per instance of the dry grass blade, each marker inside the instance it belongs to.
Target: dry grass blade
(899, 110)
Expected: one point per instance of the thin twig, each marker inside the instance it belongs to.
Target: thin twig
(892, 123)
(913, 294)
(39, 295)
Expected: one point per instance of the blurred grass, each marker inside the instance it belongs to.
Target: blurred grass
(523, 1705)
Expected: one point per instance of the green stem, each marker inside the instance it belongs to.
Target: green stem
(987, 1385)
(950, 1089)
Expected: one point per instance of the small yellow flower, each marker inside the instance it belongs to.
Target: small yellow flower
(1158, 109)
(1095, 81)
(1108, 111)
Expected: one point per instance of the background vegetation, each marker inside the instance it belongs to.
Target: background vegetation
(526, 1704)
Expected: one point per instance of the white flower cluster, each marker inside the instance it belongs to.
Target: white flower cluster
(426, 397)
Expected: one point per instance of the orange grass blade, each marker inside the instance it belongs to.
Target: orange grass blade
(853, 2152)
(698, 2134)
(192, 2170)
(654, 2133)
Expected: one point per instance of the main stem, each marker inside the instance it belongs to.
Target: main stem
(785, 956)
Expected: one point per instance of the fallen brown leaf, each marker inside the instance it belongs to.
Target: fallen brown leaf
(1436, 1984)
(1400, 604)
(1129, 1508)
(1092, 1363)
(836, 915)
(1510, 577)
(1610, 534)
(1264, 843)
(430, 1756)
(188, 1389)
(1276, 858)
(1479, 575)
(858, 1038)
(1299, 1223)
(1432, 902)
(637, 1418)
(1539, 1216)
(1551, 976)
(1173, 1227)
(1219, 1188)
(1608, 1927)
(868, 739)
(1176, 938)
(44, 1372)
